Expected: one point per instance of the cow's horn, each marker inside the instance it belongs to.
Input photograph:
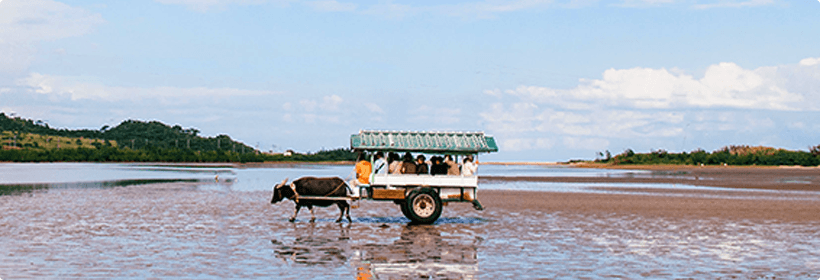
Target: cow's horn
(279, 185)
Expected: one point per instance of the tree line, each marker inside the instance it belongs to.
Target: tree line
(134, 140)
(730, 155)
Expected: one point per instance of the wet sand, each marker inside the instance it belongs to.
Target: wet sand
(659, 203)
(773, 178)
(180, 230)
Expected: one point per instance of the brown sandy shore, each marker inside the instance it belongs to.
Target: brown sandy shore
(780, 206)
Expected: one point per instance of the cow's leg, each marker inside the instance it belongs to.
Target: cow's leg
(293, 219)
(312, 217)
(341, 211)
(344, 209)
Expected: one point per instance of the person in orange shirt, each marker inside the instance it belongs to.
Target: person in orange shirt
(363, 169)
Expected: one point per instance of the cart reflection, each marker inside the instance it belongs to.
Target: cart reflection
(419, 252)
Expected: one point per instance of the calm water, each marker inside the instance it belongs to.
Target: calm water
(78, 224)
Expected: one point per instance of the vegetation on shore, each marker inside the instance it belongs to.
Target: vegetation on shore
(731, 155)
(25, 140)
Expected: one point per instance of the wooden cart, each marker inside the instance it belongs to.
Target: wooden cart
(422, 197)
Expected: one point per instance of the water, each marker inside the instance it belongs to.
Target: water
(199, 228)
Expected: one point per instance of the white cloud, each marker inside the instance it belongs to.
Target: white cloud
(577, 143)
(331, 6)
(651, 106)
(723, 85)
(733, 4)
(525, 144)
(25, 23)
(206, 5)
(374, 108)
(435, 116)
(811, 61)
(83, 88)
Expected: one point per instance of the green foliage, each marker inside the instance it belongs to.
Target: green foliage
(731, 155)
(134, 141)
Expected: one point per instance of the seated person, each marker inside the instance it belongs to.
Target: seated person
(421, 166)
(363, 169)
(468, 168)
(452, 166)
(395, 163)
(408, 166)
(438, 167)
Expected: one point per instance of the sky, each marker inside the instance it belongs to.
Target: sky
(550, 80)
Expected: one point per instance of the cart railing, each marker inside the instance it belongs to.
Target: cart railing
(424, 180)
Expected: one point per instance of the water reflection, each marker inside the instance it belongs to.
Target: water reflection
(17, 189)
(373, 252)
(420, 252)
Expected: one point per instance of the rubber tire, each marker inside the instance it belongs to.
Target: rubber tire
(423, 198)
(403, 207)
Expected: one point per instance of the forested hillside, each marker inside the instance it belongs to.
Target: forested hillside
(730, 155)
(132, 140)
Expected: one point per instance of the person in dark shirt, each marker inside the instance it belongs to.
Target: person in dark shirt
(408, 166)
(438, 168)
(421, 166)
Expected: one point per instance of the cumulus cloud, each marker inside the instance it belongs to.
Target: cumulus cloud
(811, 61)
(654, 105)
(723, 85)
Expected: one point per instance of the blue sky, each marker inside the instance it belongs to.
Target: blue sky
(551, 80)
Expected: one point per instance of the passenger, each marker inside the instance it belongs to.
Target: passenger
(408, 166)
(438, 168)
(421, 166)
(380, 166)
(469, 168)
(452, 166)
(363, 169)
(395, 163)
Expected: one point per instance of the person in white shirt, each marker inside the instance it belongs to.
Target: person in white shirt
(469, 168)
(380, 166)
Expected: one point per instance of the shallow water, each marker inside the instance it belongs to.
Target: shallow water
(183, 231)
(66, 221)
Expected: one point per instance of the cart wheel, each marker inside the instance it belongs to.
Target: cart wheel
(423, 206)
(403, 207)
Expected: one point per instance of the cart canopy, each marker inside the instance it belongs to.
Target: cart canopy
(457, 143)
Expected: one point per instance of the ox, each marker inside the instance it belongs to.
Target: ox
(310, 186)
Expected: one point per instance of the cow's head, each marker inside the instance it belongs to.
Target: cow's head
(281, 191)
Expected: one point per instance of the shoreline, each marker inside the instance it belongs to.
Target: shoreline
(740, 177)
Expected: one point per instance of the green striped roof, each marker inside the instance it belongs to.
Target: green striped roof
(423, 142)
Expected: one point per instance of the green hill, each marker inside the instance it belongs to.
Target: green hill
(25, 140)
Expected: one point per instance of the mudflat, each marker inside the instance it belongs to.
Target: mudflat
(784, 203)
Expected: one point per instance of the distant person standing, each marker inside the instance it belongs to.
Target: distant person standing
(452, 166)
(468, 168)
(421, 166)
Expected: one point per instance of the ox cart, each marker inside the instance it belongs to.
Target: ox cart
(422, 197)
